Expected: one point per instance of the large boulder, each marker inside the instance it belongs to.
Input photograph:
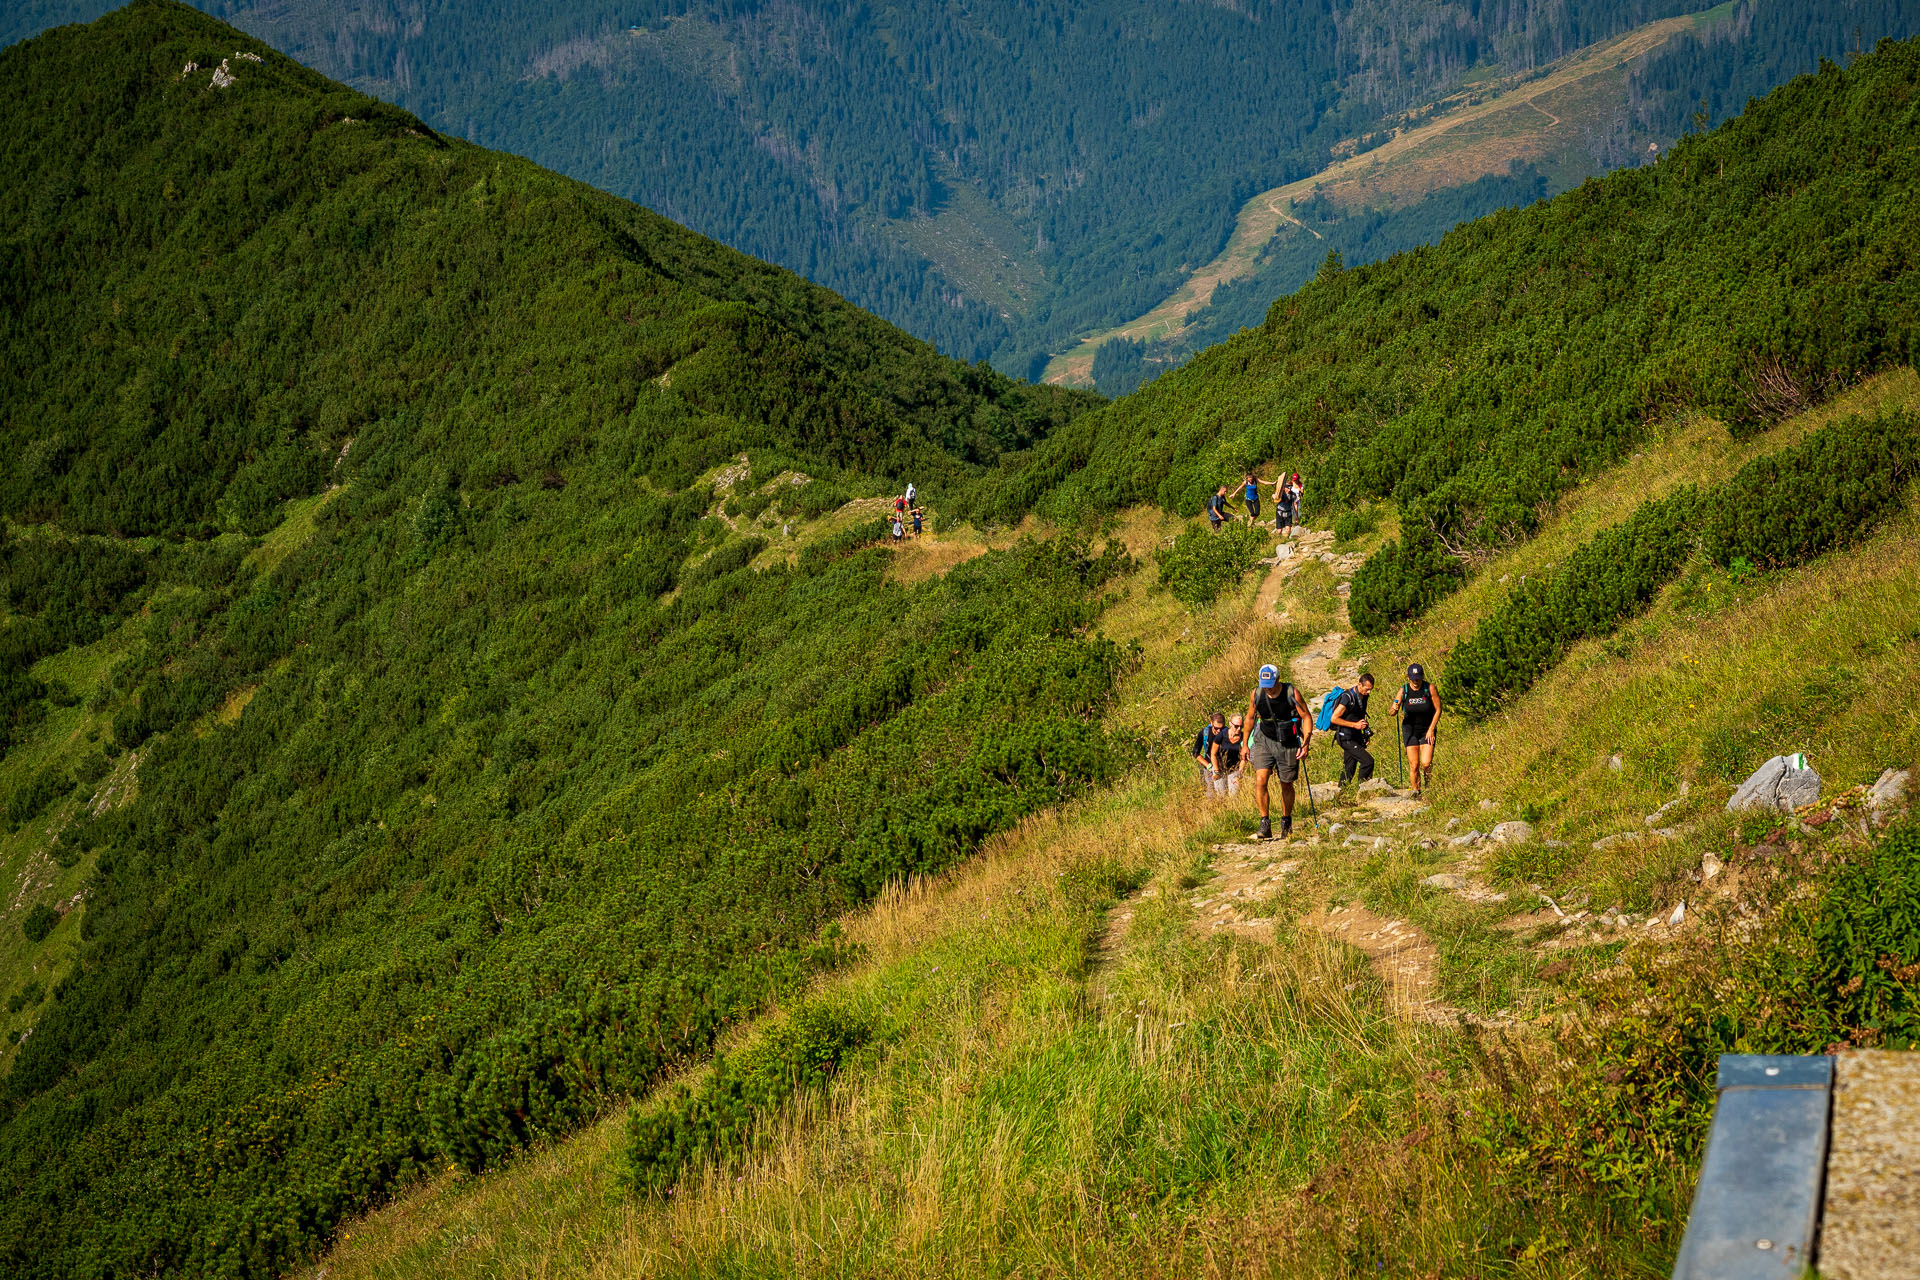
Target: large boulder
(1782, 785)
(1511, 833)
(1889, 791)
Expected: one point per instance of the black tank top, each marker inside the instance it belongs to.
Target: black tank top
(1417, 707)
(1278, 719)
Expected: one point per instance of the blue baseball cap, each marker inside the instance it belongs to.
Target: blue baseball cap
(1269, 676)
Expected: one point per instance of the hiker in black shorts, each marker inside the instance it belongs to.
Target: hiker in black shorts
(1278, 744)
(1351, 732)
(1217, 513)
(1418, 706)
(1283, 510)
(1251, 492)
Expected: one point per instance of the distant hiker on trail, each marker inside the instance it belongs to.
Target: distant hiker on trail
(1211, 734)
(1351, 732)
(1283, 504)
(1217, 513)
(1281, 735)
(1253, 497)
(917, 517)
(1229, 758)
(1418, 706)
(898, 532)
(910, 493)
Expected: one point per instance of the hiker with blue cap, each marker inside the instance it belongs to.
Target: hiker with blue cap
(1277, 747)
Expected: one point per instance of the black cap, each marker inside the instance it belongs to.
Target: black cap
(1417, 673)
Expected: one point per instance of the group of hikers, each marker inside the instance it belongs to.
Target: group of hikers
(1273, 735)
(907, 513)
(1286, 502)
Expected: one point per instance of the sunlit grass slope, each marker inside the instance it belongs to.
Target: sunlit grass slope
(1060, 1085)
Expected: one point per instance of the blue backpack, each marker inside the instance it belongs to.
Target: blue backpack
(1324, 721)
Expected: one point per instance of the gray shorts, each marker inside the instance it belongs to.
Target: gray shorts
(1267, 753)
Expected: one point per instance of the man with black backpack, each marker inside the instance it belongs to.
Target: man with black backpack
(1278, 744)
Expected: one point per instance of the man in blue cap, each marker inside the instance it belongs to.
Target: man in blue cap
(1278, 744)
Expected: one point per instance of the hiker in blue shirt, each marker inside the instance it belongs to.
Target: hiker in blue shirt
(1252, 492)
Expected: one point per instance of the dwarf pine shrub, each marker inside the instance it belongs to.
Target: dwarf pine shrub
(1202, 563)
(717, 1120)
(1829, 491)
(1609, 579)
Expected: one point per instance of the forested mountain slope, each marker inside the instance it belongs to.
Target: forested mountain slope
(491, 780)
(997, 178)
(1749, 272)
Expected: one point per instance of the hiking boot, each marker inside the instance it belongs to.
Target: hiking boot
(1286, 825)
(1266, 828)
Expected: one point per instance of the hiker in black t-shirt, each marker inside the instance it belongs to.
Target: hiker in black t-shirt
(1351, 732)
(1278, 743)
(1229, 758)
(1418, 706)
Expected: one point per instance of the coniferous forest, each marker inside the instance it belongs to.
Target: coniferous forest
(1095, 152)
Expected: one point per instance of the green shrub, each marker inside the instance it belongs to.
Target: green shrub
(1829, 491)
(812, 500)
(1355, 523)
(1202, 563)
(39, 922)
(730, 557)
(26, 997)
(748, 506)
(1400, 580)
(35, 794)
(799, 1053)
(1610, 578)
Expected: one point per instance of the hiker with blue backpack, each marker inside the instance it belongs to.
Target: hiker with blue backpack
(1344, 712)
(1206, 747)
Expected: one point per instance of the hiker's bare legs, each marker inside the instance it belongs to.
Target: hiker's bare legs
(1286, 800)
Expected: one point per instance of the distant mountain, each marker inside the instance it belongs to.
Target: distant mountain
(997, 178)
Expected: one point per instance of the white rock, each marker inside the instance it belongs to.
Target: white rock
(1511, 833)
(1615, 763)
(1452, 823)
(1488, 806)
(1445, 880)
(1472, 837)
(1710, 867)
(1336, 828)
(1373, 785)
(1782, 784)
(1618, 837)
(1890, 790)
(1679, 914)
(1282, 551)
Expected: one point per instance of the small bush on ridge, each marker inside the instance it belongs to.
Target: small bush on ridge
(1201, 563)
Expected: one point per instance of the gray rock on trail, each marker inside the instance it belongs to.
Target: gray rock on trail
(1488, 806)
(1511, 833)
(1890, 790)
(1618, 837)
(1472, 837)
(1653, 819)
(1777, 785)
(1445, 880)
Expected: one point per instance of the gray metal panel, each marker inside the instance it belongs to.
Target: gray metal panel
(1757, 1207)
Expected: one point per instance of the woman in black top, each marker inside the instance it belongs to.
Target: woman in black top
(1418, 705)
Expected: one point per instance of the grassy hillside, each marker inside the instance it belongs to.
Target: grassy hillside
(1126, 1042)
(1750, 272)
(403, 757)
